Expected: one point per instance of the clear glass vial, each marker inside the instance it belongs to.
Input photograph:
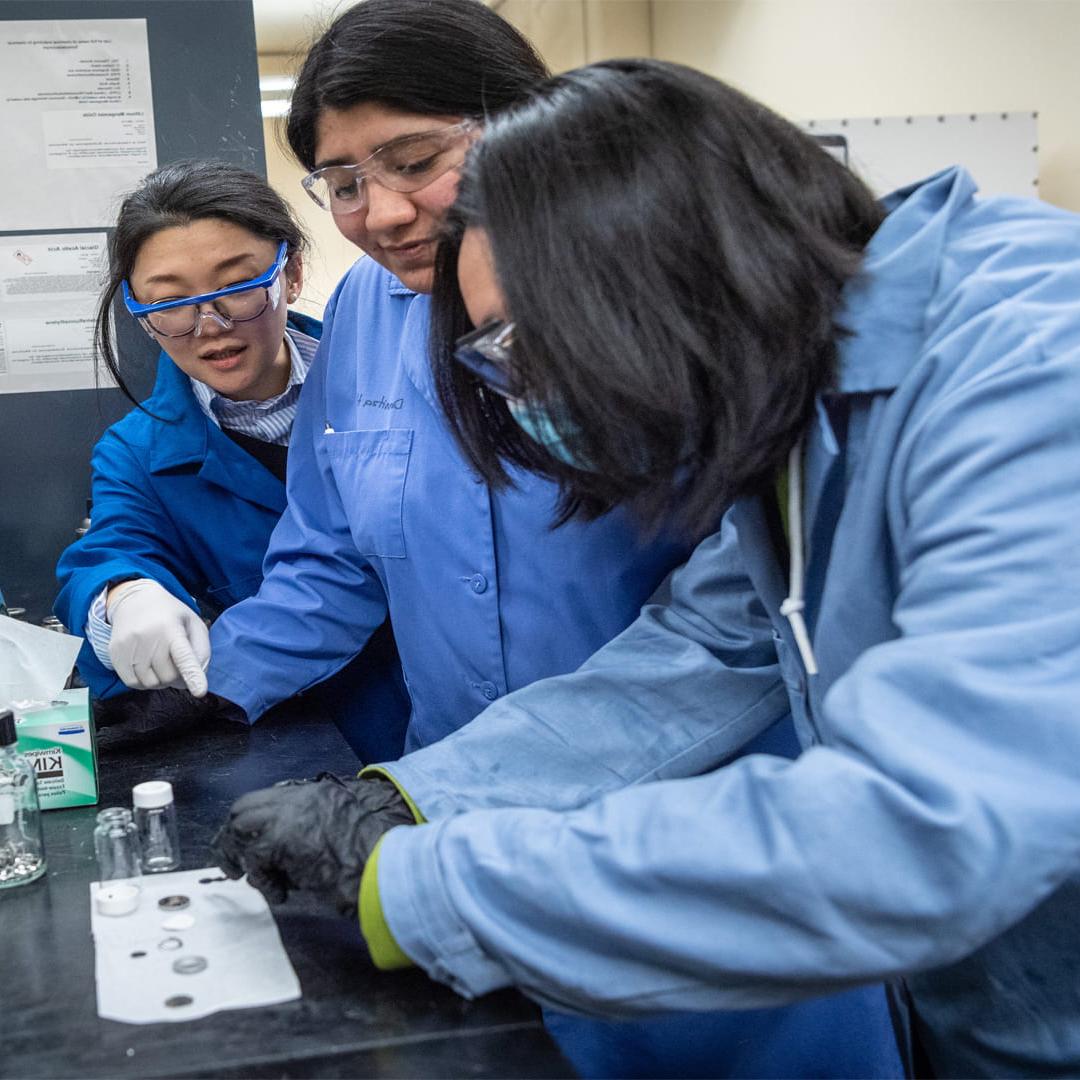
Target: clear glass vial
(22, 851)
(155, 815)
(116, 845)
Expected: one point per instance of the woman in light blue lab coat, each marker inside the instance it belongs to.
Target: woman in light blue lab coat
(385, 515)
(188, 487)
(692, 306)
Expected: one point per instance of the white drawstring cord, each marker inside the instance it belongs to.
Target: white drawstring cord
(792, 608)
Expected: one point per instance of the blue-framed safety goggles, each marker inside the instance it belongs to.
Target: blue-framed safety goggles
(241, 302)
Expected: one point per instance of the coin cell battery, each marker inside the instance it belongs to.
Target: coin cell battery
(117, 899)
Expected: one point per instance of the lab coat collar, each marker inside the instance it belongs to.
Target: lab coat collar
(885, 305)
(186, 439)
(413, 356)
(762, 566)
(397, 288)
(887, 300)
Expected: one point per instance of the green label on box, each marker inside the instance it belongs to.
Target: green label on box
(59, 741)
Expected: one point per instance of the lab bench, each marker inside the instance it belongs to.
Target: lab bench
(351, 1020)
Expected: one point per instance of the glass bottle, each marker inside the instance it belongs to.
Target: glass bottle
(155, 815)
(22, 850)
(116, 844)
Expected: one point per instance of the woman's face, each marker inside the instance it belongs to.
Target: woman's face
(250, 361)
(480, 291)
(399, 230)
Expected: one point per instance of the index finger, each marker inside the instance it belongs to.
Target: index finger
(191, 671)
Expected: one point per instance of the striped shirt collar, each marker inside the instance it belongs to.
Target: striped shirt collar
(271, 420)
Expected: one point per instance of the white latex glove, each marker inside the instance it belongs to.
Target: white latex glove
(156, 640)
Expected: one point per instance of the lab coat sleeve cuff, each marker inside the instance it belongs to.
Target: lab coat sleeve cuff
(227, 685)
(378, 770)
(386, 954)
(422, 918)
(98, 630)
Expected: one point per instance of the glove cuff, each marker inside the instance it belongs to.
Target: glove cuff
(117, 594)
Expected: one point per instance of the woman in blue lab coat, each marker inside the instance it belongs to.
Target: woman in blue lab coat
(188, 487)
(385, 514)
(692, 305)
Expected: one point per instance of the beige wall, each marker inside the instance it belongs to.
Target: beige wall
(329, 254)
(822, 58)
(569, 33)
(805, 58)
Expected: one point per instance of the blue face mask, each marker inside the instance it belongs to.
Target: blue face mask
(538, 425)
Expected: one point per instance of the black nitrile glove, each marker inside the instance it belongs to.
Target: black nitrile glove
(314, 835)
(163, 712)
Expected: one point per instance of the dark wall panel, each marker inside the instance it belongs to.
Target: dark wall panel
(205, 82)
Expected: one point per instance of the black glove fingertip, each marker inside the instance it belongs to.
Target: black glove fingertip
(271, 887)
(225, 852)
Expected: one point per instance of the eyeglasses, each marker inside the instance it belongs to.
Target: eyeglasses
(406, 164)
(242, 302)
(486, 353)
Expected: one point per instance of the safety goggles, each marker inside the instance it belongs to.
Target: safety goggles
(405, 165)
(242, 302)
(486, 353)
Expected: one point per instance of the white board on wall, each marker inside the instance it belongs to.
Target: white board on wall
(999, 149)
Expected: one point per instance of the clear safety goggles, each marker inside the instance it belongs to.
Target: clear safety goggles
(242, 302)
(406, 164)
(486, 353)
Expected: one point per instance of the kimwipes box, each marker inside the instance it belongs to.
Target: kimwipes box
(58, 738)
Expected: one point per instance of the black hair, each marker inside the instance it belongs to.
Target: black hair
(176, 195)
(432, 57)
(672, 254)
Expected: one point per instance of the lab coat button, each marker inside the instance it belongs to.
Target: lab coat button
(489, 690)
(479, 583)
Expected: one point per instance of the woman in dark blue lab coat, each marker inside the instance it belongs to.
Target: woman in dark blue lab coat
(386, 515)
(188, 487)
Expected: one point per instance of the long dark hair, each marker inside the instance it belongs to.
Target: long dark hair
(433, 57)
(178, 194)
(672, 254)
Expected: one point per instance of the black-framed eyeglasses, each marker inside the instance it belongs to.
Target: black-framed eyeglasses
(486, 353)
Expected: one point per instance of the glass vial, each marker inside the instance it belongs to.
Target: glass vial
(155, 815)
(116, 845)
(22, 851)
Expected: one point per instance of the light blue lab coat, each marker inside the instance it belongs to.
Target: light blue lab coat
(931, 829)
(384, 516)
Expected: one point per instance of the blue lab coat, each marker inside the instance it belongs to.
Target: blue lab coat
(177, 501)
(930, 829)
(384, 515)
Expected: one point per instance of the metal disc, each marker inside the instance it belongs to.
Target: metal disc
(189, 965)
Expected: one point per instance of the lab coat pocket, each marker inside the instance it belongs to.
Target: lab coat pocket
(369, 470)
